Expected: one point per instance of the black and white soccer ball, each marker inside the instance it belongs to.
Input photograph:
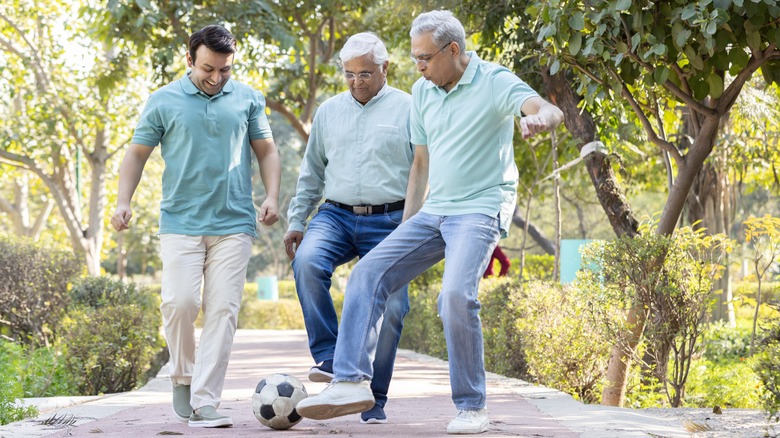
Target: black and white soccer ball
(275, 399)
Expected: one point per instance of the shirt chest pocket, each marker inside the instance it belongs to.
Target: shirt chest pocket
(389, 141)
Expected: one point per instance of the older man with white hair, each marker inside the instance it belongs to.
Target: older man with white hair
(459, 201)
(358, 157)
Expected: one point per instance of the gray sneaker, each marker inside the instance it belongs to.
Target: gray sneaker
(181, 402)
(207, 416)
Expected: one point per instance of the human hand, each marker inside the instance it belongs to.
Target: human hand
(292, 240)
(121, 218)
(533, 124)
(268, 213)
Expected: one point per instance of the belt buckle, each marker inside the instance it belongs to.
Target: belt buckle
(362, 209)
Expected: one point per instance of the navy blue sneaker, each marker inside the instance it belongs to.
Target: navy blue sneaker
(375, 415)
(322, 372)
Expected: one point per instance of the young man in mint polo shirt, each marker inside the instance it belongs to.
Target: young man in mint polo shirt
(208, 127)
(462, 124)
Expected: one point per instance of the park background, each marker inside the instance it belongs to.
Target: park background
(671, 134)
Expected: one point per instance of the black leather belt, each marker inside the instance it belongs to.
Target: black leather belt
(369, 209)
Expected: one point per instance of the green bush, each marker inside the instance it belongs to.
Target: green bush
(12, 388)
(99, 292)
(283, 314)
(287, 290)
(537, 267)
(767, 365)
(110, 336)
(667, 280)
(504, 344)
(726, 383)
(721, 342)
(41, 370)
(423, 331)
(770, 290)
(562, 349)
(33, 289)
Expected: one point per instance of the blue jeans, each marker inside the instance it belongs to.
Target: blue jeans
(465, 242)
(334, 237)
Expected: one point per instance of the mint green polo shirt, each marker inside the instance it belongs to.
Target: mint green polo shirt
(468, 132)
(204, 141)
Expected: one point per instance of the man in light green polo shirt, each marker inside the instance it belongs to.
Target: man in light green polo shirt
(208, 127)
(462, 124)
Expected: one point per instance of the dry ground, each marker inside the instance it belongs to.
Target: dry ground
(731, 423)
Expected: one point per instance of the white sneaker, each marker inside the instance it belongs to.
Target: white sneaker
(340, 398)
(469, 422)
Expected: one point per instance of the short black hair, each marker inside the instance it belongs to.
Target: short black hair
(215, 37)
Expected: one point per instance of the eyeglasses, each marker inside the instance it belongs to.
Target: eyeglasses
(364, 75)
(423, 59)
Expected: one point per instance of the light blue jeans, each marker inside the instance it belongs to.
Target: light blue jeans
(334, 237)
(465, 242)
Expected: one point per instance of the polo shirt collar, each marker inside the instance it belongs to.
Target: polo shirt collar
(468, 74)
(190, 88)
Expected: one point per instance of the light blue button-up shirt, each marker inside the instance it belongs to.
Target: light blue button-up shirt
(356, 155)
(468, 132)
(204, 140)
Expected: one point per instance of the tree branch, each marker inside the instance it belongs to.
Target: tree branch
(40, 72)
(300, 127)
(652, 135)
(731, 93)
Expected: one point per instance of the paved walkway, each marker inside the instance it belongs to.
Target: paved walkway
(419, 404)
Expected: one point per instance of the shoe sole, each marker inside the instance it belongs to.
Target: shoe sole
(323, 412)
(374, 421)
(320, 376)
(222, 422)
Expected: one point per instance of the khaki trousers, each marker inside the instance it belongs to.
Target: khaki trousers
(217, 265)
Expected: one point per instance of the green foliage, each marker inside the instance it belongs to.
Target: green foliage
(537, 267)
(723, 383)
(762, 235)
(423, 331)
(644, 391)
(100, 292)
(505, 346)
(34, 284)
(767, 366)
(668, 281)
(723, 343)
(12, 388)
(561, 347)
(534, 332)
(687, 46)
(111, 337)
(287, 290)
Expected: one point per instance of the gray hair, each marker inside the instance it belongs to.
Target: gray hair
(443, 27)
(364, 43)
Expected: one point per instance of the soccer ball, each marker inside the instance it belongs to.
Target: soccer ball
(275, 399)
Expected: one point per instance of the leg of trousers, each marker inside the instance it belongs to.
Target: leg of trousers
(218, 264)
(466, 242)
(334, 237)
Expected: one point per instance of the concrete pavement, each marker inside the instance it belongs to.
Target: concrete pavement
(419, 404)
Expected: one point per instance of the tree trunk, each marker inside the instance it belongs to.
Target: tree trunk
(581, 125)
(686, 174)
(614, 393)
